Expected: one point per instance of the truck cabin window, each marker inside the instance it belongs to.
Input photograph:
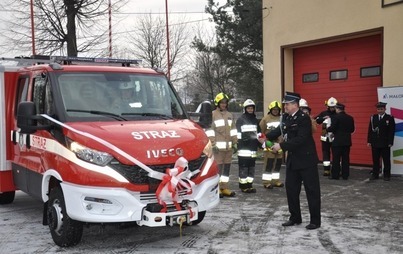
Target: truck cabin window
(106, 97)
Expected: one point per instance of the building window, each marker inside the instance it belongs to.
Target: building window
(339, 74)
(310, 77)
(386, 3)
(370, 71)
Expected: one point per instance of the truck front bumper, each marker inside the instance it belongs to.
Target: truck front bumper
(109, 205)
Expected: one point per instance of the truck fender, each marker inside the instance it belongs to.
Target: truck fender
(47, 176)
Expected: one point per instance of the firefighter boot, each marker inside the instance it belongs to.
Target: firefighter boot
(326, 167)
(267, 184)
(225, 191)
(277, 183)
(228, 193)
(251, 189)
(244, 187)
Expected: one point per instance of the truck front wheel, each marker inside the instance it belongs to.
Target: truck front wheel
(65, 231)
(199, 219)
(7, 197)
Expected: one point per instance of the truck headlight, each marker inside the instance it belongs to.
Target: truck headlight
(90, 155)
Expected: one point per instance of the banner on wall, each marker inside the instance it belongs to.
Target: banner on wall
(393, 96)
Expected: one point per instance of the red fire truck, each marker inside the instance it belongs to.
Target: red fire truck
(100, 143)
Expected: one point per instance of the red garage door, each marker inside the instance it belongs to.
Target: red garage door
(348, 70)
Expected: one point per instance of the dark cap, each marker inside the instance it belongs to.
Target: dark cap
(340, 106)
(381, 104)
(291, 97)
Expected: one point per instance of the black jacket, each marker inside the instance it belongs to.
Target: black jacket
(319, 120)
(342, 127)
(381, 133)
(248, 140)
(298, 142)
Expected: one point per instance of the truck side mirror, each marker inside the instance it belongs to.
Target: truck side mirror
(203, 115)
(25, 117)
(27, 120)
(206, 114)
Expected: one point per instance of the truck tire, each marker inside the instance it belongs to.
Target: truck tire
(7, 197)
(64, 230)
(200, 218)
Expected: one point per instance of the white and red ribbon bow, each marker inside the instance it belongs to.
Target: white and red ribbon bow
(174, 182)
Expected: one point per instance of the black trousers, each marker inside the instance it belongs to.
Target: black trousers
(341, 154)
(246, 167)
(293, 182)
(326, 151)
(384, 153)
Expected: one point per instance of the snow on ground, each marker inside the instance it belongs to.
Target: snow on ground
(357, 217)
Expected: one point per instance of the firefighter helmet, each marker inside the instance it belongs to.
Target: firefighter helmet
(220, 97)
(303, 103)
(331, 102)
(248, 103)
(274, 104)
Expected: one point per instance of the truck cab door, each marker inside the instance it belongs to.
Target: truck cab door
(31, 147)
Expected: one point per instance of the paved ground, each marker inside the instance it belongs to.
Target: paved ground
(357, 217)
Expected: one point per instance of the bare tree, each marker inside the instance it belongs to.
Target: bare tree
(149, 42)
(210, 75)
(61, 26)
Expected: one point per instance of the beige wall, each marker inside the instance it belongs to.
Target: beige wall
(292, 23)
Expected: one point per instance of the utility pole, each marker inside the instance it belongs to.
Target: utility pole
(33, 28)
(110, 27)
(167, 28)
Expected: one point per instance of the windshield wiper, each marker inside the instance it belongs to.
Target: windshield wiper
(96, 112)
(148, 114)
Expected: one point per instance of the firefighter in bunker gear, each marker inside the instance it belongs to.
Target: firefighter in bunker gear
(325, 118)
(304, 107)
(272, 160)
(223, 137)
(248, 130)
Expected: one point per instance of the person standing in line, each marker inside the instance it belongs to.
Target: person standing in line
(272, 160)
(301, 163)
(223, 137)
(381, 134)
(248, 134)
(304, 107)
(342, 127)
(326, 137)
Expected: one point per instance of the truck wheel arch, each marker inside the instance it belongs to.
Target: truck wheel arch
(50, 179)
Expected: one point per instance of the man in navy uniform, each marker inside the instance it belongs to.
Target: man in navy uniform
(381, 133)
(342, 127)
(301, 163)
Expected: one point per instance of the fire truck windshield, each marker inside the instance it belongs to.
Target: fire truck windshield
(119, 96)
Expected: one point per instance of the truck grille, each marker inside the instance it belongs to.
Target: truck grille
(136, 175)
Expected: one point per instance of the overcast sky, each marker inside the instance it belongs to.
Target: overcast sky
(190, 10)
(173, 5)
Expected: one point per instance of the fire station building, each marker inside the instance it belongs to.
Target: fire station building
(334, 48)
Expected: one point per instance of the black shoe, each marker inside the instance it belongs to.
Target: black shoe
(333, 178)
(386, 178)
(373, 177)
(312, 226)
(345, 178)
(290, 223)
